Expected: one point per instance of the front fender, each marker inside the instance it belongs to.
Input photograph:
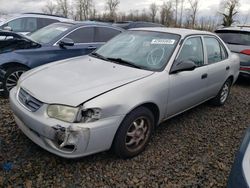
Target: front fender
(121, 101)
(12, 57)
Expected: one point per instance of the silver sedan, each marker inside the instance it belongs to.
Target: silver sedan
(116, 97)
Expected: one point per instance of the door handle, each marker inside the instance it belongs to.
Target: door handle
(227, 68)
(91, 47)
(204, 76)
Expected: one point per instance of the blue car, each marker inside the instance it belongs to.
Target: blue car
(240, 173)
(19, 53)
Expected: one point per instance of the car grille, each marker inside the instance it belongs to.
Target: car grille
(28, 101)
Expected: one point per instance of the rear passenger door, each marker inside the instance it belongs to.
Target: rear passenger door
(218, 64)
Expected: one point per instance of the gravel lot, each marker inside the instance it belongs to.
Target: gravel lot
(195, 149)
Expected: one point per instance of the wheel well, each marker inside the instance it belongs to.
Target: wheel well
(231, 78)
(154, 109)
(13, 64)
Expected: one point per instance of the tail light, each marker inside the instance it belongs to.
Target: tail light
(245, 68)
(246, 52)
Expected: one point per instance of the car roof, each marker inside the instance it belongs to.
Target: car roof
(136, 24)
(90, 23)
(43, 14)
(40, 15)
(36, 15)
(179, 31)
(235, 28)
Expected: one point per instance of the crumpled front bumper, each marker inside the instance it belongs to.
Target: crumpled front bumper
(68, 140)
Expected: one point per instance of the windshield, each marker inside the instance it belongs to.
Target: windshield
(144, 49)
(235, 37)
(49, 33)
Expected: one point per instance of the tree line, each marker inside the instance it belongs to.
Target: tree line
(172, 13)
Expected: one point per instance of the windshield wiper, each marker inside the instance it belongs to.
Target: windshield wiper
(99, 56)
(124, 62)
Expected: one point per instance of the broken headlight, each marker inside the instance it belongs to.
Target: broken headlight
(90, 115)
(64, 113)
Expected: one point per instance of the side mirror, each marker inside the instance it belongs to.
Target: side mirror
(185, 65)
(66, 42)
(7, 28)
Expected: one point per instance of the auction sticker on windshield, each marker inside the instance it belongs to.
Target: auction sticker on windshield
(61, 29)
(163, 41)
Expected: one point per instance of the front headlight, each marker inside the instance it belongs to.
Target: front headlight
(90, 115)
(64, 113)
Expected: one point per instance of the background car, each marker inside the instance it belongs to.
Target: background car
(137, 24)
(238, 41)
(116, 96)
(54, 42)
(28, 22)
(240, 173)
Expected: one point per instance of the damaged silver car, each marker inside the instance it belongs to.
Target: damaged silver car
(116, 97)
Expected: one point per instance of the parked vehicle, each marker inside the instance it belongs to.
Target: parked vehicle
(138, 24)
(28, 22)
(115, 97)
(238, 41)
(54, 42)
(240, 173)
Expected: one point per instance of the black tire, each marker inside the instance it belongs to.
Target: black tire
(121, 144)
(12, 73)
(219, 100)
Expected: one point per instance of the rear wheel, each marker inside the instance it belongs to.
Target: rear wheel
(11, 78)
(222, 96)
(134, 133)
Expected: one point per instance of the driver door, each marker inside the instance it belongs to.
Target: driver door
(188, 88)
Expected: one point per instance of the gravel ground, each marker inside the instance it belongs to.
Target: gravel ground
(195, 149)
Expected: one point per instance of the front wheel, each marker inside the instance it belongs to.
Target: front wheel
(11, 78)
(134, 133)
(223, 94)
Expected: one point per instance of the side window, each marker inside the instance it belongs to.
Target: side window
(43, 22)
(192, 50)
(82, 35)
(30, 24)
(17, 25)
(103, 34)
(223, 52)
(215, 51)
(23, 24)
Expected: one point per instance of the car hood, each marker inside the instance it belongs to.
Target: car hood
(10, 41)
(74, 81)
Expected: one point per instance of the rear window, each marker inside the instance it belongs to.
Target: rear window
(235, 37)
